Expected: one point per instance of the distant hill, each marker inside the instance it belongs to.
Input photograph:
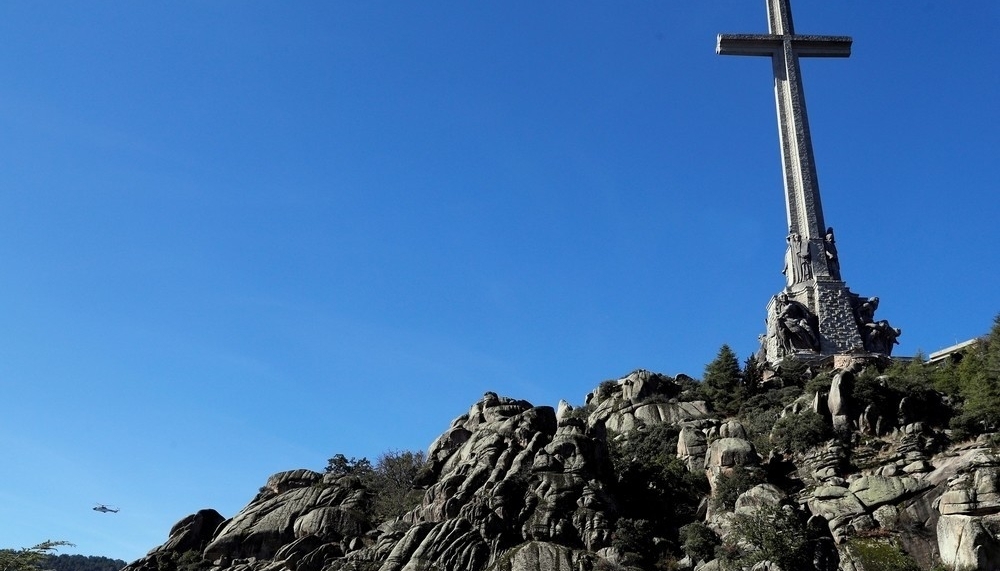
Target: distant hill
(81, 563)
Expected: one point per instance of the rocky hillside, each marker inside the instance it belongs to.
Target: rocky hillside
(835, 471)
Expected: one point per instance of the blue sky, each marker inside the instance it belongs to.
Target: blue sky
(240, 237)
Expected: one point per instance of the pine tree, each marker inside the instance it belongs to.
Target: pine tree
(979, 376)
(723, 381)
(753, 375)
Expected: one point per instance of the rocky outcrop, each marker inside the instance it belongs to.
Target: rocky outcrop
(539, 556)
(968, 542)
(630, 417)
(192, 533)
(968, 529)
(725, 454)
(837, 402)
(642, 398)
(856, 507)
(510, 486)
(758, 496)
(292, 506)
(692, 444)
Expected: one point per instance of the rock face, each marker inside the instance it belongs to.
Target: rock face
(193, 532)
(510, 486)
(726, 454)
(643, 398)
(292, 506)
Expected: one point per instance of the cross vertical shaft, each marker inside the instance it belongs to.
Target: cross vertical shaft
(784, 47)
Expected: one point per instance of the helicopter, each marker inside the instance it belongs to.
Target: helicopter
(105, 509)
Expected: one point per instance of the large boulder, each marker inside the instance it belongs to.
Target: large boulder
(841, 509)
(193, 532)
(453, 544)
(691, 447)
(725, 454)
(838, 402)
(290, 506)
(733, 429)
(761, 495)
(973, 493)
(968, 542)
(876, 491)
(642, 398)
(631, 416)
(514, 475)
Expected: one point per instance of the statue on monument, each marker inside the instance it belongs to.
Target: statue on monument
(878, 336)
(832, 259)
(805, 259)
(798, 260)
(865, 313)
(796, 326)
(881, 337)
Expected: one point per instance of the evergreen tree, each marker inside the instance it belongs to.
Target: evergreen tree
(979, 379)
(723, 381)
(753, 375)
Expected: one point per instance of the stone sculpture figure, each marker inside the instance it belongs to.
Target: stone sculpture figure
(805, 259)
(865, 313)
(881, 337)
(796, 326)
(832, 259)
(792, 269)
(798, 260)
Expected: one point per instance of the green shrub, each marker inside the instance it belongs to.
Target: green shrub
(340, 465)
(76, 562)
(607, 388)
(692, 390)
(652, 485)
(759, 413)
(635, 536)
(753, 374)
(973, 383)
(698, 541)
(793, 372)
(579, 413)
(29, 558)
(820, 383)
(391, 481)
(800, 432)
(654, 446)
(979, 376)
(775, 533)
(877, 554)
(730, 485)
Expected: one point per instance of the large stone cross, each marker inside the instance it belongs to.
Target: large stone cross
(784, 47)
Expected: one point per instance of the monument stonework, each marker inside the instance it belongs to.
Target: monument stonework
(815, 316)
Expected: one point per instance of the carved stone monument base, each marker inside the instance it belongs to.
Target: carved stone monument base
(831, 321)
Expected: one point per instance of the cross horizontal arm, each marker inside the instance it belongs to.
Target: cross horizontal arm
(766, 44)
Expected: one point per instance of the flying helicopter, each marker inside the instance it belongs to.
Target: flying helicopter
(105, 509)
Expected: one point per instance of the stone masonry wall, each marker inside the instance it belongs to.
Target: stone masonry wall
(837, 325)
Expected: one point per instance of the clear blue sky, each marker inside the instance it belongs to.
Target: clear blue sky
(240, 237)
